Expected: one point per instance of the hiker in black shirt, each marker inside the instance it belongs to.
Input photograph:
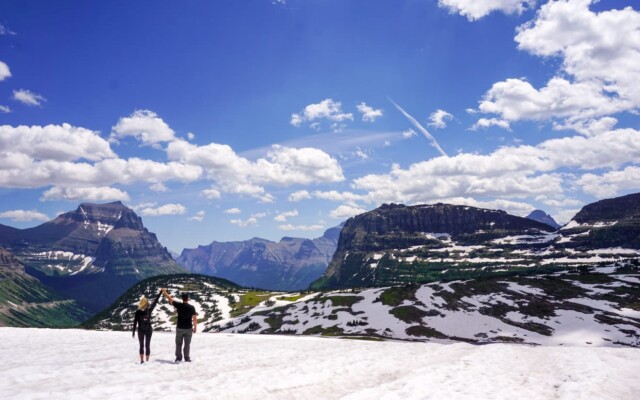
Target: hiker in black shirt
(186, 327)
(142, 320)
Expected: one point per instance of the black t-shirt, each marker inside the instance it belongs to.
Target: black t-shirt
(185, 312)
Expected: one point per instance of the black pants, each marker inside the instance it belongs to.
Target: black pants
(144, 337)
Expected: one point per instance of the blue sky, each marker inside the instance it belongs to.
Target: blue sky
(226, 120)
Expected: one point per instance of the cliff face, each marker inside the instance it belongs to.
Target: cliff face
(606, 223)
(24, 301)
(396, 244)
(290, 264)
(91, 254)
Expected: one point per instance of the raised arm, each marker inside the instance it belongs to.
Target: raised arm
(153, 305)
(164, 292)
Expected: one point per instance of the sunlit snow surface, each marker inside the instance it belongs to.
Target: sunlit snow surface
(75, 364)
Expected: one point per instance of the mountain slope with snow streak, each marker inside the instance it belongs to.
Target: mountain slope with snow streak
(599, 308)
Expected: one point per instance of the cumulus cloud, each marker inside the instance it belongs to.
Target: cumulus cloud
(28, 97)
(144, 125)
(409, 133)
(476, 9)
(299, 195)
(211, 193)
(438, 119)
(282, 166)
(611, 183)
(100, 193)
(289, 227)
(198, 217)
(598, 75)
(282, 217)
(54, 142)
(251, 221)
(484, 123)
(327, 109)
(24, 215)
(5, 72)
(517, 171)
(346, 211)
(159, 187)
(166, 209)
(232, 211)
(5, 109)
(369, 114)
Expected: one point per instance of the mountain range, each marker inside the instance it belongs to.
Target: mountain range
(91, 255)
(290, 264)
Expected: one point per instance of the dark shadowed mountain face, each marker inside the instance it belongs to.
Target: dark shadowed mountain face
(291, 264)
(541, 216)
(91, 254)
(397, 244)
(24, 301)
(606, 223)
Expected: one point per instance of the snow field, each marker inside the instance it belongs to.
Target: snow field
(76, 364)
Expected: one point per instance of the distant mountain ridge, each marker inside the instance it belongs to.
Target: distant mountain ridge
(290, 264)
(541, 216)
(91, 254)
(397, 244)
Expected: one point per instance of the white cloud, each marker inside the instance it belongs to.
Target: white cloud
(198, 217)
(282, 217)
(409, 133)
(166, 209)
(327, 109)
(5, 109)
(439, 119)
(333, 195)
(232, 211)
(299, 195)
(369, 114)
(484, 123)
(4, 30)
(211, 193)
(243, 223)
(282, 166)
(476, 9)
(600, 52)
(23, 215)
(145, 126)
(54, 142)
(421, 128)
(101, 193)
(518, 171)
(611, 183)
(190, 136)
(289, 227)
(159, 187)
(28, 97)
(346, 211)
(5, 72)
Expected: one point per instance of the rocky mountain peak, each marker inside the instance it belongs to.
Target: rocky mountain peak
(112, 215)
(541, 216)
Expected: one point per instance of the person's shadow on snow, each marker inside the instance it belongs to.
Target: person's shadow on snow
(164, 361)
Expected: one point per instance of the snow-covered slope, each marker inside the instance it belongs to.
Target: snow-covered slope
(103, 365)
(567, 308)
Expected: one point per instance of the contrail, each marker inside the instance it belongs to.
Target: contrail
(421, 128)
